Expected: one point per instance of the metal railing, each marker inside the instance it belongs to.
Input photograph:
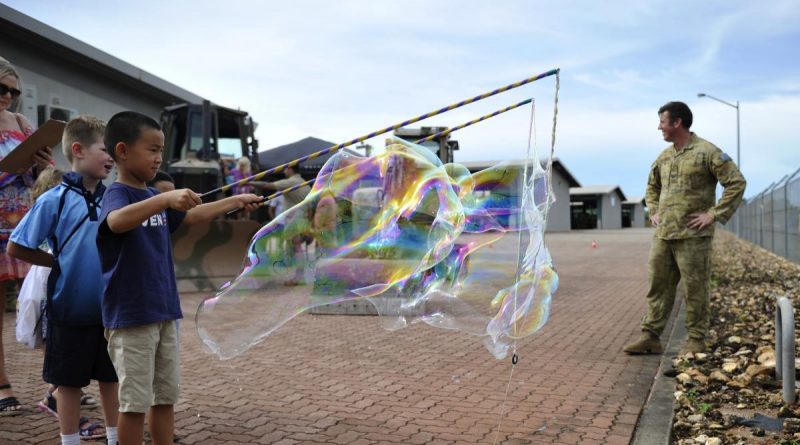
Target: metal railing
(771, 219)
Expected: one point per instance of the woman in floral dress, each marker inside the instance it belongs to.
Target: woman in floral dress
(15, 200)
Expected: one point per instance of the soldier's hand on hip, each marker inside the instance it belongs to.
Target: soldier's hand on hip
(700, 221)
(655, 220)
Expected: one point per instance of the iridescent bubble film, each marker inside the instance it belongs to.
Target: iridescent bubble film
(420, 240)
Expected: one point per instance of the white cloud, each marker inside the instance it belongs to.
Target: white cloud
(614, 80)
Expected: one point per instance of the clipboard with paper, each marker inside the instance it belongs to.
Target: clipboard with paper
(21, 158)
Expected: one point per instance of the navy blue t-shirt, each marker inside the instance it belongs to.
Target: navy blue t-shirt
(138, 272)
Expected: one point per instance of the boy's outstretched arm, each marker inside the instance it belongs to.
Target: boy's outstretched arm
(207, 212)
(131, 216)
(34, 256)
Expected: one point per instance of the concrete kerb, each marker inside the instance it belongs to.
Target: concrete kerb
(654, 426)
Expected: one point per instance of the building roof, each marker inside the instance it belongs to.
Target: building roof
(635, 200)
(558, 166)
(596, 190)
(283, 154)
(18, 26)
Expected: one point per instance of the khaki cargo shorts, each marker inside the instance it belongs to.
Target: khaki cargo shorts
(147, 364)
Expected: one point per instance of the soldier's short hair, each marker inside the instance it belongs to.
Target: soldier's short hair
(678, 110)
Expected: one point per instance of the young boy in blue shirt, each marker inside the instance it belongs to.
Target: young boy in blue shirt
(67, 217)
(140, 304)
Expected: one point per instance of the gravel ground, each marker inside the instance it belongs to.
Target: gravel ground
(735, 380)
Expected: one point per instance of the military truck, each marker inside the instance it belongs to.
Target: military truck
(200, 140)
(442, 146)
(197, 136)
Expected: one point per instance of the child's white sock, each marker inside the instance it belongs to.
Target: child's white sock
(71, 439)
(111, 435)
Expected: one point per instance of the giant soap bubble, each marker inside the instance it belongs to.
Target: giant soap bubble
(420, 240)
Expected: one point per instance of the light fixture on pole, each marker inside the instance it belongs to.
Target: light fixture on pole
(738, 150)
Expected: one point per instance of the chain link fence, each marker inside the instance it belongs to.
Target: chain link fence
(771, 219)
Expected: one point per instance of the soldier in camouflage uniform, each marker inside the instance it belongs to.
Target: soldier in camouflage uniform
(681, 200)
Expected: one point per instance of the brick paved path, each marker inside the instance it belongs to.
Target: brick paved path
(344, 380)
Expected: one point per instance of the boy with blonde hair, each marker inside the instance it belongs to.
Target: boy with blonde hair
(140, 304)
(67, 217)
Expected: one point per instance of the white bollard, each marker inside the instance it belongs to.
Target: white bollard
(784, 350)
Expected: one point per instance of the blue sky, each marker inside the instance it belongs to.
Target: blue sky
(337, 70)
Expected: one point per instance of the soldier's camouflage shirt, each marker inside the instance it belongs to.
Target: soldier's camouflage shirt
(684, 182)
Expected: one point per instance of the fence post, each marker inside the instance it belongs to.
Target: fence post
(789, 229)
(786, 212)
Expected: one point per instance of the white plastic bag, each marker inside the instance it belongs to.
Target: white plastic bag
(32, 298)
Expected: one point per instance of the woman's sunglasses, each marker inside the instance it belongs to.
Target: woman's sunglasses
(4, 89)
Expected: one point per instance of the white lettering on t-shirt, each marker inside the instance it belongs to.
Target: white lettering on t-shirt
(157, 220)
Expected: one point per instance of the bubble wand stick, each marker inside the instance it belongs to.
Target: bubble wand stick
(336, 148)
(429, 138)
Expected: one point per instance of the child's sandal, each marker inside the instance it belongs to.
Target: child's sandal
(89, 430)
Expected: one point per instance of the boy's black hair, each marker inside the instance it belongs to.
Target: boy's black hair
(126, 127)
(678, 110)
(160, 176)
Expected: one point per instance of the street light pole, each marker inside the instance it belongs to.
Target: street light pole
(738, 142)
(738, 147)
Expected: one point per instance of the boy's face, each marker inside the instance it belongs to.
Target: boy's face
(92, 160)
(142, 158)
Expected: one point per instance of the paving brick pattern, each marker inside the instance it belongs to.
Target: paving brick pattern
(344, 380)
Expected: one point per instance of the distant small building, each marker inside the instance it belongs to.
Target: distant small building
(633, 212)
(558, 218)
(596, 207)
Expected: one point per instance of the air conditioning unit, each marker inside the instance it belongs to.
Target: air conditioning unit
(29, 101)
(56, 112)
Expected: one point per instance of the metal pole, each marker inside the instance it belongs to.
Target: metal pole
(786, 214)
(737, 217)
(738, 145)
(738, 164)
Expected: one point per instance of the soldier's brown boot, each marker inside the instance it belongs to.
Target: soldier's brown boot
(648, 343)
(694, 345)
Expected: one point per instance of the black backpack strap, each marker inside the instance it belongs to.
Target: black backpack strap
(56, 248)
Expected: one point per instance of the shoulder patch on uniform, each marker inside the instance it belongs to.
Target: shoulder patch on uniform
(725, 157)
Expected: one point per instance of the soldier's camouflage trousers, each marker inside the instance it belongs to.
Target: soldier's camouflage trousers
(670, 261)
